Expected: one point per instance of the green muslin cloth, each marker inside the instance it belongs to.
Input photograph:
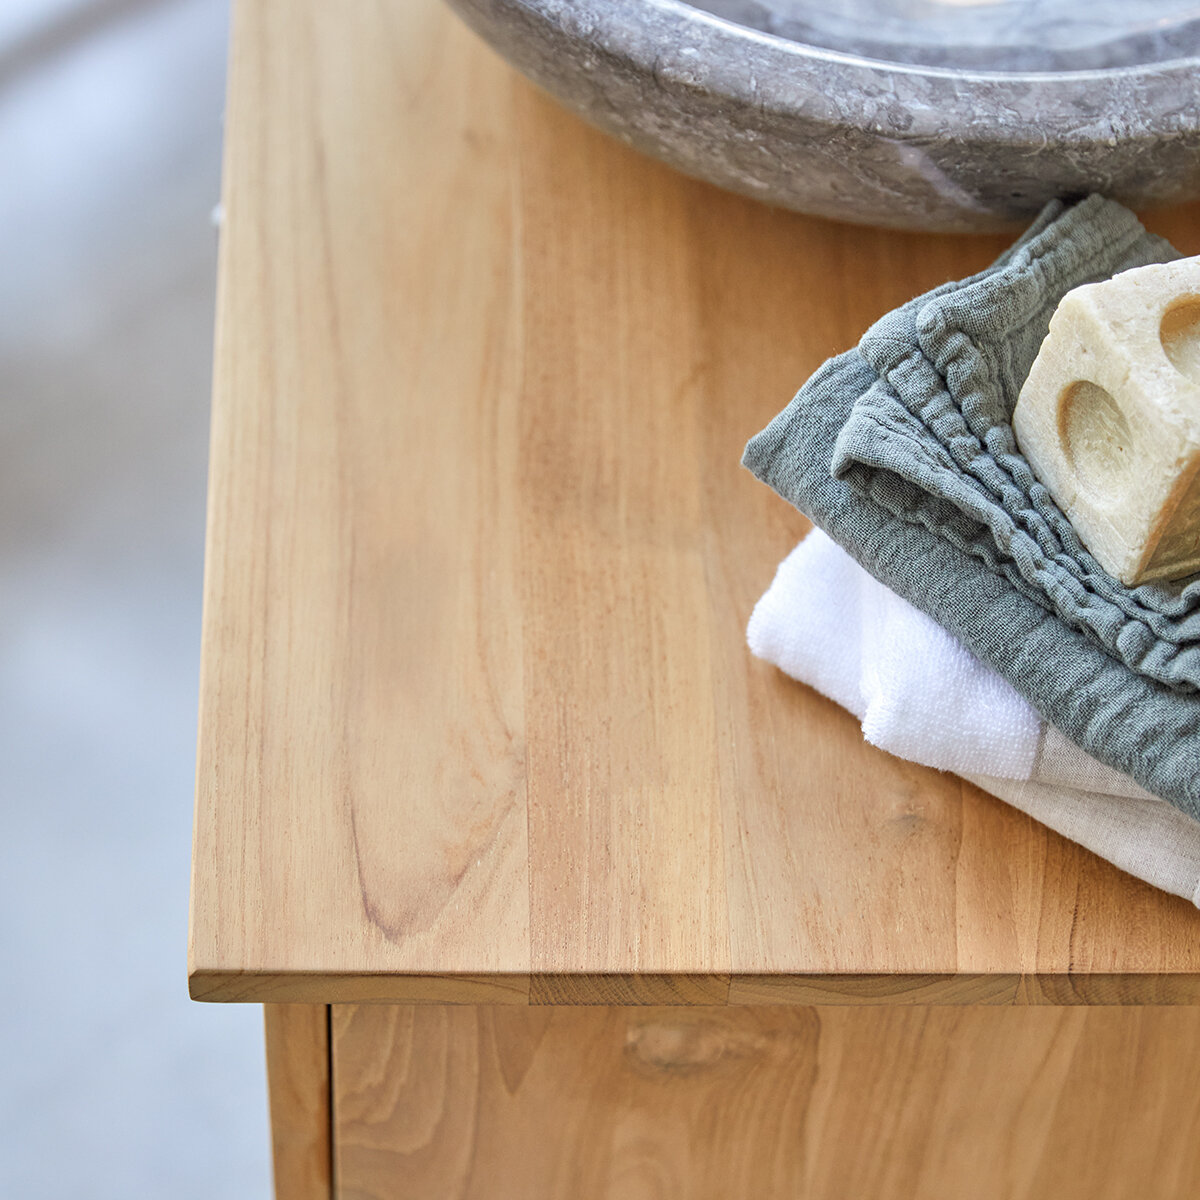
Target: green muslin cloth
(903, 451)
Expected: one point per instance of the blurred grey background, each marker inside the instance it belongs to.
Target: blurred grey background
(114, 1084)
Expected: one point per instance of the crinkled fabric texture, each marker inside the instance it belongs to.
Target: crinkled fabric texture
(924, 544)
(931, 440)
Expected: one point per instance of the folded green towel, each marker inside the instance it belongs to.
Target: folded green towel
(903, 452)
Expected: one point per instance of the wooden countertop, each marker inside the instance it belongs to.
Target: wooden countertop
(477, 720)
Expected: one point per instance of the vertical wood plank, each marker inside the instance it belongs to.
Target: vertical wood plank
(626, 851)
(797, 779)
(299, 1081)
(361, 725)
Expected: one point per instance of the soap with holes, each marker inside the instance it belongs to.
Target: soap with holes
(1109, 419)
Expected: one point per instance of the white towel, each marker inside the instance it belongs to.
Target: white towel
(924, 697)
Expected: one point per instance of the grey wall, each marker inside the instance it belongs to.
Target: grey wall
(114, 1084)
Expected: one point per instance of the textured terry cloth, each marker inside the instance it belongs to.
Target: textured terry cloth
(1122, 717)
(931, 440)
(918, 692)
(810, 623)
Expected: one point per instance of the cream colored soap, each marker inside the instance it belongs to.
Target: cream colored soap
(1109, 419)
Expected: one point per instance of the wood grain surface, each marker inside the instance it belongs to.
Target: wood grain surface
(298, 1077)
(624, 1104)
(477, 717)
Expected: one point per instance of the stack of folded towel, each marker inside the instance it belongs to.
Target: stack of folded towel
(967, 626)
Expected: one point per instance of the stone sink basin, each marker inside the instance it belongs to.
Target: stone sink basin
(916, 114)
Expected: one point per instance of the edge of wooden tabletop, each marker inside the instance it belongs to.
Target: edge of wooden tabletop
(544, 989)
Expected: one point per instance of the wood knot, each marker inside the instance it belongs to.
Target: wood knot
(686, 1046)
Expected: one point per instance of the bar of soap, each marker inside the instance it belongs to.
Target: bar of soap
(1109, 419)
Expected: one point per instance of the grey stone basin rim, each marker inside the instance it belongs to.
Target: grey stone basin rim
(695, 48)
(854, 138)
